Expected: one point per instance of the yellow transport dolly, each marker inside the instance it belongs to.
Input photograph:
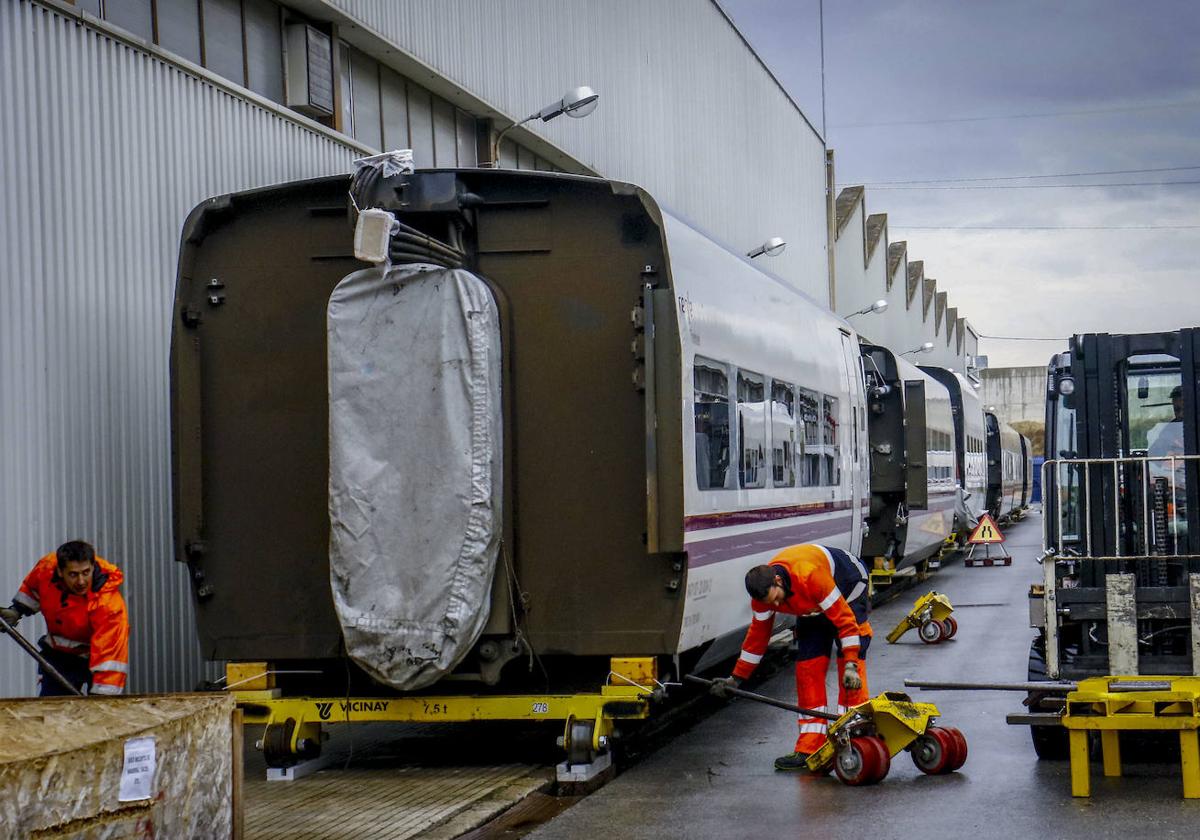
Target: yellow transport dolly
(931, 616)
(294, 725)
(862, 741)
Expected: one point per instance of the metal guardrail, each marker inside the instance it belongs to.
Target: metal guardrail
(1124, 472)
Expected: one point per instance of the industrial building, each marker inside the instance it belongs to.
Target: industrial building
(123, 116)
(918, 321)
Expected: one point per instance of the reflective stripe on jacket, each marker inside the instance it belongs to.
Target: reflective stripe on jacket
(94, 625)
(823, 580)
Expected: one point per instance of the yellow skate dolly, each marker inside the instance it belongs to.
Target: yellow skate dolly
(931, 616)
(861, 742)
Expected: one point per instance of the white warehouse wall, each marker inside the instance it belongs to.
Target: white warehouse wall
(683, 100)
(904, 325)
(106, 147)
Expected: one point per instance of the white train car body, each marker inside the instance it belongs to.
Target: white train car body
(773, 426)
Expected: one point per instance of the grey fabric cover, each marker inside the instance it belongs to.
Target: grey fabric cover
(414, 467)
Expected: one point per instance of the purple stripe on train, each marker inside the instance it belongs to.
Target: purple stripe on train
(719, 549)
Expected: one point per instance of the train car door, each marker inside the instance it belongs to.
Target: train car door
(852, 387)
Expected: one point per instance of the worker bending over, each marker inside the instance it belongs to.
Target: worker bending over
(826, 589)
(87, 627)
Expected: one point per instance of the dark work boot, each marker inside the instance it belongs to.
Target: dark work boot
(794, 762)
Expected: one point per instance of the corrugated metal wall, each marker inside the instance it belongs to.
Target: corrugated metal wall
(685, 109)
(104, 149)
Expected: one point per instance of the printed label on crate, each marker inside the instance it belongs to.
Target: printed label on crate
(137, 774)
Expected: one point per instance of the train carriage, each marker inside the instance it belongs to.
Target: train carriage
(1004, 468)
(912, 463)
(622, 415)
(1026, 472)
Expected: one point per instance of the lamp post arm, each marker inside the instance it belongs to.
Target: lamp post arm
(500, 136)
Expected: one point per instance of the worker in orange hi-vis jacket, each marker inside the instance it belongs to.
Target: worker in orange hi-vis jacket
(826, 589)
(87, 626)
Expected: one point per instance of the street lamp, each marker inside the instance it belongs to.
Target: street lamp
(773, 247)
(878, 306)
(924, 348)
(578, 103)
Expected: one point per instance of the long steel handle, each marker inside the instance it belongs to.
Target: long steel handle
(770, 701)
(1016, 686)
(28, 647)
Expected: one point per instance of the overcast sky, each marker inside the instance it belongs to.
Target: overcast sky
(911, 90)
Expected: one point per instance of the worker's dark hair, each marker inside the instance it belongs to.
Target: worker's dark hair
(75, 551)
(1177, 392)
(759, 581)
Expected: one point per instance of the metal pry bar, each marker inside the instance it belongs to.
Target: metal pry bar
(1016, 686)
(770, 701)
(28, 647)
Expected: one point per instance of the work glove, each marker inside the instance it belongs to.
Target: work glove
(11, 615)
(721, 685)
(851, 681)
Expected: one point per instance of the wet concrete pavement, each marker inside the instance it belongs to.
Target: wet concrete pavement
(717, 779)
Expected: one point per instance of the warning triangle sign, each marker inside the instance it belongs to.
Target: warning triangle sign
(986, 532)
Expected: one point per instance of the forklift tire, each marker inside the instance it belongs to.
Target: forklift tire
(1050, 743)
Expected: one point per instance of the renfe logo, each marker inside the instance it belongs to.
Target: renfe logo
(325, 710)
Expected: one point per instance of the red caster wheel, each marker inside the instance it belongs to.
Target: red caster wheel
(885, 757)
(960, 752)
(859, 763)
(949, 627)
(931, 632)
(934, 751)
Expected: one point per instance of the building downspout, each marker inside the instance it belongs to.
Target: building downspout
(830, 223)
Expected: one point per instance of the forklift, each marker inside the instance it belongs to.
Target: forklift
(1120, 588)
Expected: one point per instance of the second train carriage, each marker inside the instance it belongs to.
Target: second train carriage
(912, 461)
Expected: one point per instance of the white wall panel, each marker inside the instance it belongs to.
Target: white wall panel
(104, 149)
(686, 110)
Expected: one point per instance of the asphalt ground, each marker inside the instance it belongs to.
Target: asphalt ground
(717, 780)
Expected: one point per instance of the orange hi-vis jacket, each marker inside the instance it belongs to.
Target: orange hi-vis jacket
(814, 571)
(94, 626)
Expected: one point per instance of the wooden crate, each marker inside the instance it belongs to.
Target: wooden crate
(62, 762)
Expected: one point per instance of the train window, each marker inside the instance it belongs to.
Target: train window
(752, 430)
(809, 403)
(783, 434)
(831, 462)
(710, 382)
